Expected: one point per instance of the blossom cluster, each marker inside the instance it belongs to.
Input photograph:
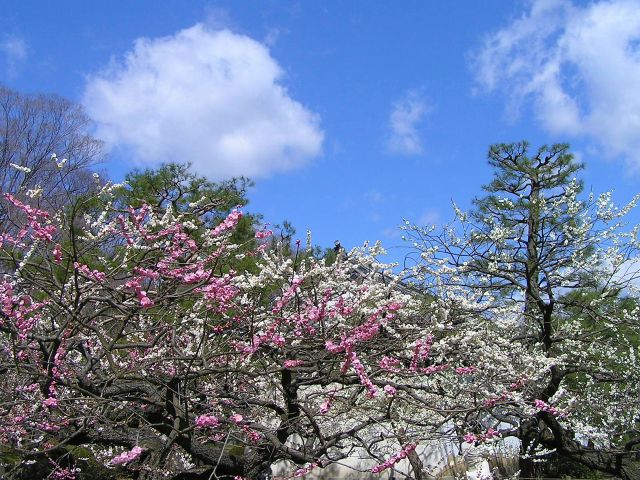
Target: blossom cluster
(391, 461)
(127, 457)
(490, 434)
(146, 324)
(545, 407)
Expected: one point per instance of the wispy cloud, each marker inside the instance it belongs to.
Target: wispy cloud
(429, 217)
(272, 36)
(578, 66)
(14, 50)
(374, 197)
(211, 97)
(407, 114)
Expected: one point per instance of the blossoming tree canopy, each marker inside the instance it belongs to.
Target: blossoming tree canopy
(150, 332)
(130, 340)
(539, 283)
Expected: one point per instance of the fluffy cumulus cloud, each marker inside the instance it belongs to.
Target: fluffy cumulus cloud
(210, 97)
(407, 114)
(577, 65)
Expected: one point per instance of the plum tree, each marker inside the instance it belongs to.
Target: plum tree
(129, 339)
(554, 276)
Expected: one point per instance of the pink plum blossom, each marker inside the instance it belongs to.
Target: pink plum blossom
(236, 418)
(127, 457)
(204, 421)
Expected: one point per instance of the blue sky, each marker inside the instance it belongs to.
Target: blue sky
(349, 116)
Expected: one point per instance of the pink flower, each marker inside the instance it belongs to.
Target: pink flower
(146, 302)
(545, 407)
(50, 402)
(464, 370)
(332, 347)
(49, 427)
(127, 457)
(228, 223)
(197, 276)
(292, 363)
(94, 275)
(43, 233)
(145, 272)
(540, 404)
(326, 405)
(252, 435)
(303, 471)
(64, 474)
(394, 458)
(57, 254)
(519, 384)
(362, 374)
(421, 351)
(469, 438)
(204, 421)
(491, 433)
(236, 418)
(390, 364)
(263, 234)
(433, 369)
(492, 401)
(389, 390)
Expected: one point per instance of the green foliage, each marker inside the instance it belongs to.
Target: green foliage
(207, 202)
(175, 184)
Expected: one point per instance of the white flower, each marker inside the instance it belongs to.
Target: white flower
(20, 168)
(35, 193)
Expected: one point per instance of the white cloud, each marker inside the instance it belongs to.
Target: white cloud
(210, 97)
(374, 197)
(271, 38)
(392, 233)
(578, 66)
(429, 218)
(406, 116)
(15, 52)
